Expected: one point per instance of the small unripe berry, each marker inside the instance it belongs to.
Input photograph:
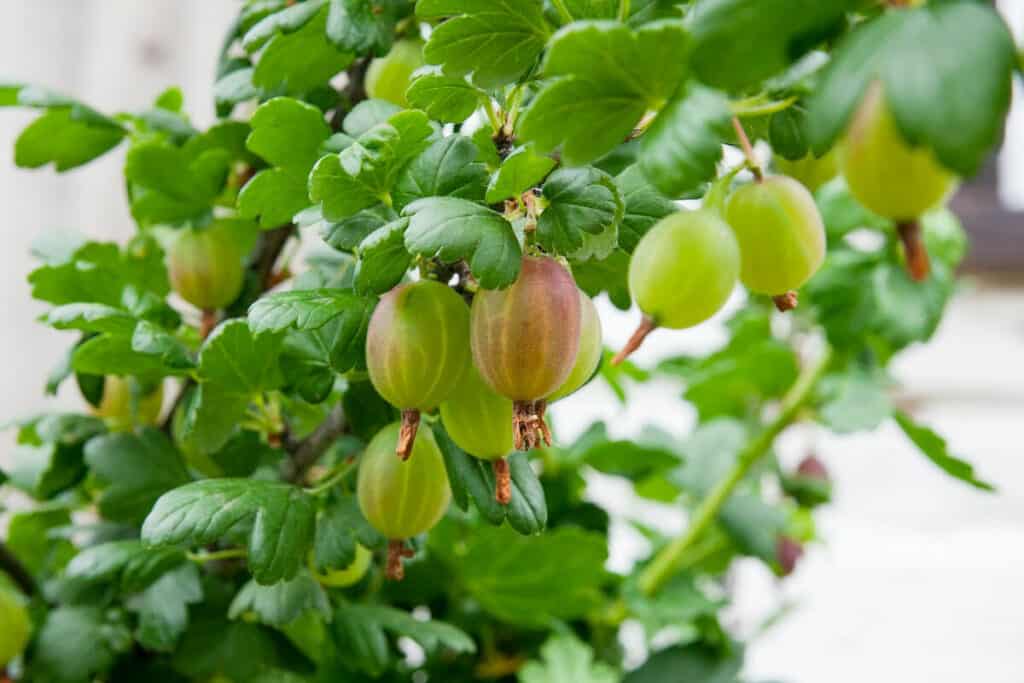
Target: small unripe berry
(402, 498)
(388, 77)
(780, 233)
(15, 626)
(589, 355)
(346, 576)
(205, 266)
(122, 409)
(681, 272)
(478, 419)
(787, 553)
(883, 171)
(811, 171)
(417, 348)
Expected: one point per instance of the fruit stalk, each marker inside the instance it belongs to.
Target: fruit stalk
(207, 322)
(502, 481)
(914, 249)
(646, 326)
(529, 429)
(748, 149)
(407, 434)
(394, 571)
(786, 302)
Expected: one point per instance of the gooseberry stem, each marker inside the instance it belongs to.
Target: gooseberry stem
(394, 570)
(529, 430)
(748, 149)
(914, 249)
(207, 322)
(665, 563)
(502, 481)
(216, 555)
(407, 434)
(786, 302)
(646, 326)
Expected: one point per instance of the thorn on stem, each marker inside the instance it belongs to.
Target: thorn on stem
(786, 302)
(407, 434)
(914, 249)
(502, 481)
(646, 326)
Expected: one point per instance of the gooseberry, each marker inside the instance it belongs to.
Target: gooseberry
(479, 421)
(15, 625)
(123, 404)
(402, 498)
(589, 355)
(525, 339)
(884, 172)
(388, 77)
(417, 348)
(346, 576)
(681, 272)
(811, 171)
(780, 233)
(205, 266)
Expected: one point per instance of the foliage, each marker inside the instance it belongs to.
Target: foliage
(191, 550)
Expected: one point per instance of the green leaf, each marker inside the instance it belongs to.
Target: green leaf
(300, 61)
(910, 53)
(565, 658)
(453, 229)
(59, 138)
(854, 401)
(496, 41)
(287, 20)
(738, 43)
(338, 528)
(433, 636)
(169, 185)
(698, 663)
(605, 77)
(368, 114)
(311, 360)
(683, 146)
(108, 354)
(77, 643)
(275, 521)
(46, 469)
(127, 564)
(151, 339)
(238, 650)
(843, 214)
(100, 272)
(89, 317)
(163, 608)
(30, 537)
(606, 275)
(582, 203)
(360, 644)
(449, 99)
(513, 576)
(383, 259)
(678, 604)
(212, 416)
(235, 358)
(934, 447)
(644, 206)
(306, 309)
(362, 26)
(448, 168)
(629, 459)
(281, 603)
(364, 173)
(235, 87)
(592, 9)
(140, 467)
(348, 233)
(519, 172)
(288, 134)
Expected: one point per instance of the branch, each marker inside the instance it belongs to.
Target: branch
(668, 559)
(306, 452)
(17, 571)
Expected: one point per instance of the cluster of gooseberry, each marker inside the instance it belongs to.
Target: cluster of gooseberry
(769, 233)
(490, 368)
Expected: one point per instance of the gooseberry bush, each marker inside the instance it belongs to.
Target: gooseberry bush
(337, 463)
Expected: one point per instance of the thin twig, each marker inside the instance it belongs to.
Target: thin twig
(748, 149)
(17, 571)
(306, 452)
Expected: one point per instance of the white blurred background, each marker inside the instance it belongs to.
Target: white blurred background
(920, 577)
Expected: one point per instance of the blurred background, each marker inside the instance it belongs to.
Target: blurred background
(919, 577)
